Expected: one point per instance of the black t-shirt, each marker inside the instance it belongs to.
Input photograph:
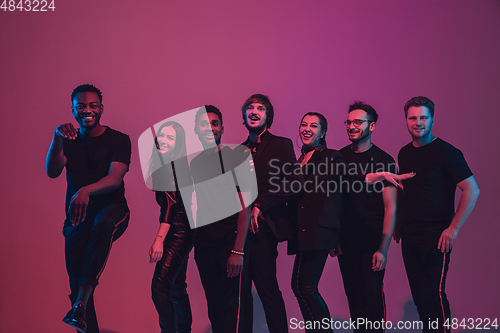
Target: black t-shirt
(429, 197)
(363, 204)
(88, 161)
(213, 181)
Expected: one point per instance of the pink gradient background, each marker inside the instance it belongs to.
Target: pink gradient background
(153, 59)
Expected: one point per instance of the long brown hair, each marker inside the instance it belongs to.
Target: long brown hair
(163, 175)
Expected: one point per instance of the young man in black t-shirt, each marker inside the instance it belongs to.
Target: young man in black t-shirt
(96, 158)
(430, 223)
(368, 219)
(220, 247)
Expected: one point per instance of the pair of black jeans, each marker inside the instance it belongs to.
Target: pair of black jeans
(228, 299)
(427, 267)
(87, 248)
(307, 270)
(263, 254)
(364, 288)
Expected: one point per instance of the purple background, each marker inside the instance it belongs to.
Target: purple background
(154, 59)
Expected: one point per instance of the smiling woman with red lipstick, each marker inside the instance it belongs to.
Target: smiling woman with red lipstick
(316, 221)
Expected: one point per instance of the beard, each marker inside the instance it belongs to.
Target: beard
(361, 137)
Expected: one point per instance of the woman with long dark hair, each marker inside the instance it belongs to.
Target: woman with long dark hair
(316, 224)
(168, 173)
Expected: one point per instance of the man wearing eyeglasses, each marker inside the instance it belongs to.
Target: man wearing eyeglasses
(96, 159)
(368, 220)
(430, 223)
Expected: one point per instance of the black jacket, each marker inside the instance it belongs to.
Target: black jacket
(275, 165)
(316, 218)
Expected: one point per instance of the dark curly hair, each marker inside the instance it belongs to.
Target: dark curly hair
(84, 88)
(208, 109)
(365, 107)
(262, 99)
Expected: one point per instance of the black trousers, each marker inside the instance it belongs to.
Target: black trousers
(307, 269)
(228, 299)
(169, 288)
(426, 268)
(363, 287)
(87, 248)
(263, 254)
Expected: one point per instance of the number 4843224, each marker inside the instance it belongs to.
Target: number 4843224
(471, 323)
(27, 5)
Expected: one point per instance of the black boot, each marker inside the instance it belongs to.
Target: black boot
(76, 318)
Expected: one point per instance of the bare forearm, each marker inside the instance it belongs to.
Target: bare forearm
(104, 185)
(111, 182)
(242, 229)
(162, 232)
(465, 206)
(55, 161)
(372, 178)
(470, 192)
(388, 228)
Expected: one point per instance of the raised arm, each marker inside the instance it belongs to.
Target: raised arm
(80, 200)
(55, 162)
(470, 192)
(379, 259)
(394, 179)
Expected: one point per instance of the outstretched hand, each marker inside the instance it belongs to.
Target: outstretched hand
(396, 179)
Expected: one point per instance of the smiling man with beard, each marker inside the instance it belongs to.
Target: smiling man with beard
(368, 219)
(269, 221)
(430, 223)
(96, 159)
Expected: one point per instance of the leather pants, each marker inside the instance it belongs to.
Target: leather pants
(169, 280)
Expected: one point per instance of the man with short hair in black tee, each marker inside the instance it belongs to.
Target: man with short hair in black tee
(368, 219)
(96, 159)
(429, 222)
(220, 247)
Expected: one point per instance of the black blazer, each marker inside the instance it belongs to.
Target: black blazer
(316, 222)
(275, 163)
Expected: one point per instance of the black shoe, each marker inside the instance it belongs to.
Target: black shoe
(76, 318)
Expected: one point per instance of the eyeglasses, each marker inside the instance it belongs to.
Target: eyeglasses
(356, 122)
